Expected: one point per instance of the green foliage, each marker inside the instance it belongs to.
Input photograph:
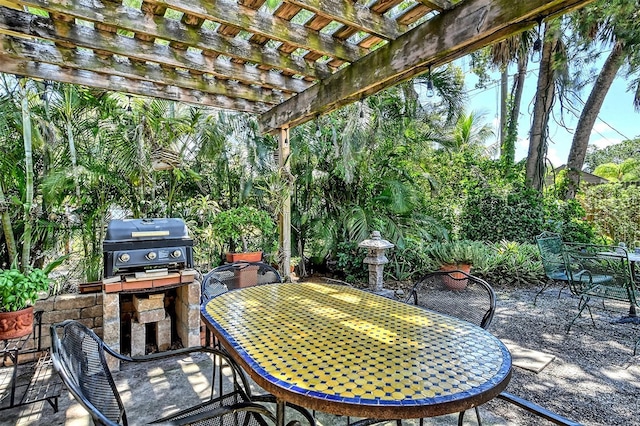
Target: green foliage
(613, 209)
(567, 218)
(409, 262)
(505, 213)
(455, 253)
(245, 227)
(19, 290)
(349, 261)
(509, 263)
(627, 171)
(615, 154)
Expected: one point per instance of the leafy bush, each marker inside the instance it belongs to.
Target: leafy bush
(409, 262)
(19, 290)
(568, 219)
(512, 264)
(613, 209)
(245, 228)
(349, 261)
(502, 214)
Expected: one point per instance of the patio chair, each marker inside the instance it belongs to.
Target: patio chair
(599, 271)
(550, 246)
(79, 357)
(472, 299)
(235, 275)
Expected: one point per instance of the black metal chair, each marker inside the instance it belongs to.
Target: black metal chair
(472, 299)
(235, 275)
(78, 356)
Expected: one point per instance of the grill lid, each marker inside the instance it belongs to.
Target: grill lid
(126, 230)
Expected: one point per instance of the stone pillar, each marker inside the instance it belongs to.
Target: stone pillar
(111, 326)
(376, 260)
(188, 313)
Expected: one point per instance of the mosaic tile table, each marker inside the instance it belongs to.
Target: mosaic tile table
(345, 351)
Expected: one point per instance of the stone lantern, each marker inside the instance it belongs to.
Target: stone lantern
(376, 260)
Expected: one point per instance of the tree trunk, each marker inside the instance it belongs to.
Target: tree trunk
(28, 172)
(7, 228)
(590, 112)
(508, 148)
(545, 94)
(504, 86)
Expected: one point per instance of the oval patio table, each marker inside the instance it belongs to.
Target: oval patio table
(345, 351)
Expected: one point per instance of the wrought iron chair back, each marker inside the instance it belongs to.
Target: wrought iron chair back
(456, 293)
(599, 271)
(234, 275)
(78, 356)
(470, 298)
(550, 246)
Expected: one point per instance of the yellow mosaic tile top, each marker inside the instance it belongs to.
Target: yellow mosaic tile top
(342, 344)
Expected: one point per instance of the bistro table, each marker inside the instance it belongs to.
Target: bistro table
(345, 351)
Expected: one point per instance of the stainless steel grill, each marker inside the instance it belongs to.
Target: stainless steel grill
(133, 245)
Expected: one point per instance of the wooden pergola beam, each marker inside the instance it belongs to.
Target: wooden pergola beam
(350, 14)
(439, 5)
(269, 26)
(70, 58)
(23, 24)
(120, 84)
(468, 26)
(137, 22)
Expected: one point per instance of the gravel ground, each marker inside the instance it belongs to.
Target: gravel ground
(594, 378)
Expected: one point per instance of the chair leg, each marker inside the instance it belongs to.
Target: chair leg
(583, 303)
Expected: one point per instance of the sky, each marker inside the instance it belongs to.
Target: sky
(616, 122)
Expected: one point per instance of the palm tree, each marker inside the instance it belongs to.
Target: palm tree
(612, 24)
(468, 133)
(552, 52)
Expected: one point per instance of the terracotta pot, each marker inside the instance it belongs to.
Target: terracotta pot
(245, 277)
(16, 324)
(450, 282)
(251, 256)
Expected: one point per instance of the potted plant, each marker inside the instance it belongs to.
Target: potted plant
(18, 292)
(244, 229)
(456, 255)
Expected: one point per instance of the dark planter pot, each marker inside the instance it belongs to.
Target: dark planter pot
(16, 324)
(455, 284)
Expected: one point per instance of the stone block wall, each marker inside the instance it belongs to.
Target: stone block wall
(86, 308)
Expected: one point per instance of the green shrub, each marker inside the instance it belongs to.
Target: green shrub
(349, 262)
(494, 215)
(245, 228)
(512, 264)
(568, 219)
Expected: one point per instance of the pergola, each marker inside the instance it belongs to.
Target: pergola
(287, 64)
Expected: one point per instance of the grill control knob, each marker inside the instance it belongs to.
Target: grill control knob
(176, 253)
(124, 257)
(151, 255)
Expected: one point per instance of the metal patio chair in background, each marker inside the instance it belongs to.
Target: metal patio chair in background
(599, 271)
(472, 299)
(550, 246)
(235, 275)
